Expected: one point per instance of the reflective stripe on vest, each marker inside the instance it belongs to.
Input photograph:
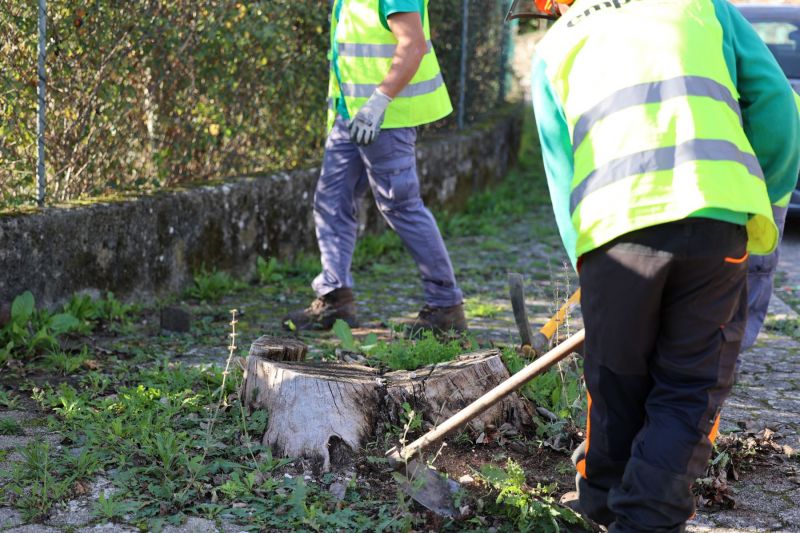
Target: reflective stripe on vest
(653, 92)
(656, 128)
(665, 158)
(371, 50)
(364, 50)
(365, 90)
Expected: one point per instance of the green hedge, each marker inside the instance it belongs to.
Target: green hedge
(149, 94)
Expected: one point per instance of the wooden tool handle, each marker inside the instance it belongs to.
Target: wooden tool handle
(490, 398)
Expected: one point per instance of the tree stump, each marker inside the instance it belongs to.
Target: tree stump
(315, 409)
(438, 392)
(325, 412)
(279, 348)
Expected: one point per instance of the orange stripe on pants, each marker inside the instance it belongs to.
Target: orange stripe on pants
(739, 260)
(712, 436)
(580, 466)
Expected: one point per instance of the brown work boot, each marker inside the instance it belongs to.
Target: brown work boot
(324, 311)
(439, 320)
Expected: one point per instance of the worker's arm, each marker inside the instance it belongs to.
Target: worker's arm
(411, 47)
(767, 102)
(556, 152)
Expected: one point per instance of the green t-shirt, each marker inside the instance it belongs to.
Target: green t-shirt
(386, 8)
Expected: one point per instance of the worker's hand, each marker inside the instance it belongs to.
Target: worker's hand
(366, 125)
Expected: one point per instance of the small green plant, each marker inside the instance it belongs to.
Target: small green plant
(342, 330)
(8, 400)
(66, 363)
(411, 420)
(9, 426)
(110, 508)
(278, 273)
(560, 390)
(212, 286)
(35, 486)
(530, 508)
(269, 271)
(92, 312)
(30, 331)
(348, 343)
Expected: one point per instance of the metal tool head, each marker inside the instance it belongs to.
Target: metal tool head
(426, 486)
(516, 291)
(430, 488)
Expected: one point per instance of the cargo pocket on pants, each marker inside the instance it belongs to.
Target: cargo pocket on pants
(732, 334)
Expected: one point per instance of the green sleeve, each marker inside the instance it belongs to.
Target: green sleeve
(769, 112)
(387, 8)
(556, 152)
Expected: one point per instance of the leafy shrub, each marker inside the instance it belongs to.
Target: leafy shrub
(145, 95)
(150, 94)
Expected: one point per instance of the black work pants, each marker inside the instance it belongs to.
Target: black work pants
(664, 309)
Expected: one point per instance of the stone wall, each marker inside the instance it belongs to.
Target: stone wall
(153, 244)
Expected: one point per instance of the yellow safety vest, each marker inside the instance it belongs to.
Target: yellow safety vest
(656, 130)
(362, 47)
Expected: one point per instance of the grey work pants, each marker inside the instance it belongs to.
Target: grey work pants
(760, 277)
(388, 167)
(664, 309)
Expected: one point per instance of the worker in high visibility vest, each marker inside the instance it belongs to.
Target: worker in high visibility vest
(384, 81)
(668, 131)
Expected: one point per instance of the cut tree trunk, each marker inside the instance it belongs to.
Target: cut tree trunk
(279, 348)
(325, 412)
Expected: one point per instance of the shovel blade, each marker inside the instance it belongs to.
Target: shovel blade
(430, 488)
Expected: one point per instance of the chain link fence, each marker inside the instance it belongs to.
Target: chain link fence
(148, 94)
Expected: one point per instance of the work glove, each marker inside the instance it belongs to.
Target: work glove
(366, 125)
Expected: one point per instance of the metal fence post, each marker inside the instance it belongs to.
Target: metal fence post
(462, 75)
(505, 50)
(40, 170)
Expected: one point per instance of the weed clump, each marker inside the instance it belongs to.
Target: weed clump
(31, 332)
(530, 508)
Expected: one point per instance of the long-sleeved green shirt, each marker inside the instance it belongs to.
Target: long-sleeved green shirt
(768, 107)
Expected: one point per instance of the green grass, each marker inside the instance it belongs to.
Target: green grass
(475, 308)
(373, 248)
(9, 426)
(300, 271)
(211, 286)
(523, 190)
(403, 353)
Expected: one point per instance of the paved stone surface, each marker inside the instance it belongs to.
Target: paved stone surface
(10, 518)
(193, 525)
